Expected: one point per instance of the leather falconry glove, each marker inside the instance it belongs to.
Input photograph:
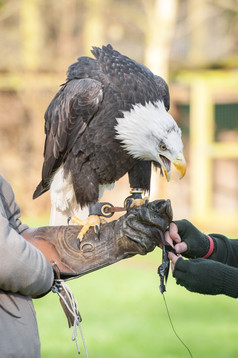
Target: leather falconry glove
(198, 243)
(207, 277)
(137, 232)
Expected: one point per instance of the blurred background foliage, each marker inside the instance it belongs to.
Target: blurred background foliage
(180, 40)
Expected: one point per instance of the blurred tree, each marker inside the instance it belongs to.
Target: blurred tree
(43, 37)
(206, 35)
(161, 18)
(198, 11)
(31, 39)
(66, 27)
(93, 32)
(157, 32)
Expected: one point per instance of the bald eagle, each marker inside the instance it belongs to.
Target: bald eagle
(109, 118)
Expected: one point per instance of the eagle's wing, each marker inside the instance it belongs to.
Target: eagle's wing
(164, 90)
(66, 119)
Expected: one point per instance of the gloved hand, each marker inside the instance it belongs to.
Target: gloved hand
(198, 244)
(137, 232)
(207, 277)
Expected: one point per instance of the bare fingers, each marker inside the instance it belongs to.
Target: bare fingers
(171, 235)
(173, 258)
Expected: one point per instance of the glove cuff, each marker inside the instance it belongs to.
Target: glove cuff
(211, 248)
(230, 281)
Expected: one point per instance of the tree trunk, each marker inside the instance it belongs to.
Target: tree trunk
(161, 17)
(31, 34)
(93, 27)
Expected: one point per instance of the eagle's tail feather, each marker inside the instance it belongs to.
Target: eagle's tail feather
(39, 190)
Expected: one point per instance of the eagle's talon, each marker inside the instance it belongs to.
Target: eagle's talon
(68, 220)
(131, 202)
(80, 236)
(127, 203)
(97, 230)
(78, 243)
(146, 201)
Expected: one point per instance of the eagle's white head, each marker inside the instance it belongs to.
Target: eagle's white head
(149, 132)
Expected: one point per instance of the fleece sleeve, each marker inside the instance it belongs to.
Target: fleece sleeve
(23, 268)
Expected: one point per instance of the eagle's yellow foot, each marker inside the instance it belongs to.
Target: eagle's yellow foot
(92, 221)
(131, 202)
(135, 199)
(137, 202)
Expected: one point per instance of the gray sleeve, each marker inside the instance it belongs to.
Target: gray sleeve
(9, 207)
(23, 268)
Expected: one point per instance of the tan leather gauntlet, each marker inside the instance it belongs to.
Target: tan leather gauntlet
(137, 232)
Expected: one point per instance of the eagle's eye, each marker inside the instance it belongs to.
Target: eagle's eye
(163, 147)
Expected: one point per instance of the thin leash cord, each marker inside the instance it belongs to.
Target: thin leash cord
(172, 326)
(73, 309)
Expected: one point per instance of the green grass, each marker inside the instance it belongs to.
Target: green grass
(124, 316)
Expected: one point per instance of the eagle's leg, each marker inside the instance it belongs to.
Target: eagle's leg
(135, 199)
(95, 219)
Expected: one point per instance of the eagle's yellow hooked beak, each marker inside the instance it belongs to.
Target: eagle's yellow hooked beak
(179, 163)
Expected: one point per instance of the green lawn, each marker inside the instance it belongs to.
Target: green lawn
(124, 316)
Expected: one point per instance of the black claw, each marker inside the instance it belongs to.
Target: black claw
(78, 243)
(128, 204)
(97, 231)
(68, 220)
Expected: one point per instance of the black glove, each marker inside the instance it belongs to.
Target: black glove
(198, 243)
(207, 277)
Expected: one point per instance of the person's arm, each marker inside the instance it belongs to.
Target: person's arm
(192, 243)
(24, 269)
(203, 274)
(139, 231)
